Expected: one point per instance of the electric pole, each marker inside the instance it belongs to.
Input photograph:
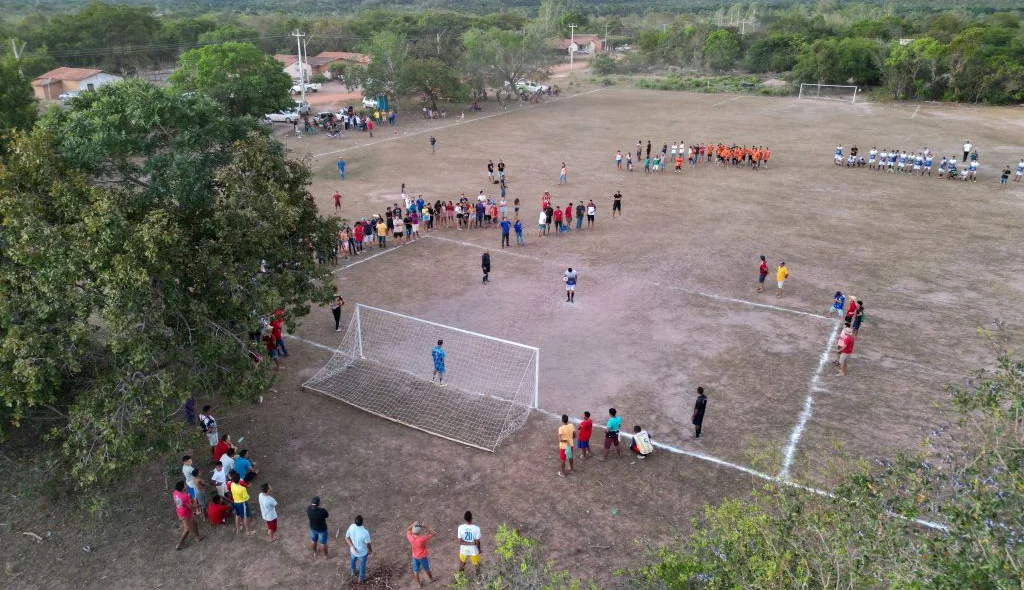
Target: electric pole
(302, 68)
(443, 31)
(17, 54)
(606, 37)
(572, 42)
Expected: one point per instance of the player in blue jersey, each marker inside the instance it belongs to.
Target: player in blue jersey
(438, 354)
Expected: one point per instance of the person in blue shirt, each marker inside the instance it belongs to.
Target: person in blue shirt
(438, 355)
(506, 225)
(341, 168)
(611, 436)
(246, 469)
(518, 227)
(838, 303)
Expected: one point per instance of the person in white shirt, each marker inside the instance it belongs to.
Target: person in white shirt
(481, 197)
(186, 470)
(359, 547)
(469, 543)
(591, 212)
(268, 509)
(219, 477)
(227, 460)
(542, 223)
(967, 149)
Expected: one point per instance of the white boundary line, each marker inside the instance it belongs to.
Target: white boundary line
(805, 414)
(725, 101)
(915, 111)
(371, 256)
(779, 479)
(659, 285)
(423, 321)
(435, 129)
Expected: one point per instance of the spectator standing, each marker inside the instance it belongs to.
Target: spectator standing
(336, 311)
(268, 509)
(360, 547)
(208, 424)
(183, 506)
(318, 531)
(566, 438)
(611, 436)
(418, 536)
(698, 411)
(469, 543)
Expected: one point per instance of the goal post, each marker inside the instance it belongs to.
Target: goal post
(384, 366)
(829, 92)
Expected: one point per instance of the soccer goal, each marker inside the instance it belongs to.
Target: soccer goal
(829, 92)
(384, 366)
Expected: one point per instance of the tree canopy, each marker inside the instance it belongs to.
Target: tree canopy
(237, 75)
(136, 223)
(17, 102)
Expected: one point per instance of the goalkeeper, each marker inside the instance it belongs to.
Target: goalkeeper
(438, 354)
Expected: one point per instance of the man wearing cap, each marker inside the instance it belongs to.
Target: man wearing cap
(438, 355)
(318, 532)
(780, 276)
(845, 349)
(419, 536)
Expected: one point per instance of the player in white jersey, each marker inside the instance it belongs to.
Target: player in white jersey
(1020, 170)
(918, 162)
(871, 158)
(927, 164)
(973, 171)
(839, 155)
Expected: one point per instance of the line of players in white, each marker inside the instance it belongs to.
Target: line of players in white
(921, 163)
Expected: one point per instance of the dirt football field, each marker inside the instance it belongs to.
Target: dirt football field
(666, 302)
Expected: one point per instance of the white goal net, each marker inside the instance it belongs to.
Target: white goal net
(829, 92)
(384, 365)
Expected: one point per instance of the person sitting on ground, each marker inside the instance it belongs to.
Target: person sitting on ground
(218, 510)
(641, 445)
(245, 468)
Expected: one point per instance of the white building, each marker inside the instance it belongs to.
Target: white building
(56, 82)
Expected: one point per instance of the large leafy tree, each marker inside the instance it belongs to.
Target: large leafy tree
(435, 80)
(721, 49)
(17, 103)
(502, 58)
(114, 37)
(237, 75)
(136, 224)
(387, 74)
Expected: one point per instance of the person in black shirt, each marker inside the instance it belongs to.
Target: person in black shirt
(648, 148)
(698, 411)
(490, 170)
(617, 203)
(485, 264)
(318, 532)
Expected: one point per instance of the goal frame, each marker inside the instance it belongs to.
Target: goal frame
(814, 91)
(356, 324)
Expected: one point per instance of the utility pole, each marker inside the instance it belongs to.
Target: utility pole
(17, 54)
(606, 37)
(572, 41)
(443, 31)
(302, 68)
(743, 27)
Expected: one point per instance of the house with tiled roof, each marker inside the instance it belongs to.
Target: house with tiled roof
(321, 63)
(52, 84)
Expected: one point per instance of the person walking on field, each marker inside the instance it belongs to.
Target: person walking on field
(419, 535)
(617, 204)
(268, 509)
(845, 348)
(506, 228)
(762, 274)
(438, 355)
(485, 261)
(566, 438)
(336, 311)
(698, 411)
(433, 143)
(780, 276)
(184, 506)
(318, 531)
(581, 210)
(569, 278)
(562, 178)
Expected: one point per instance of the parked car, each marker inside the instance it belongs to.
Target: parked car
(302, 107)
(284, 116)
(530, 87)
(369, 103)
(310, 87)
(66, 96)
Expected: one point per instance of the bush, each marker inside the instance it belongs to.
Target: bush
(318, 79)
(604, 64)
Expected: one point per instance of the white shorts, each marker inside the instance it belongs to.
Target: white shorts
(212, 438)
(839, 158)
(415, 227)
(569, 287)
(781, 283)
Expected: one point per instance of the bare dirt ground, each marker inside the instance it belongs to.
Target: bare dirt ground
(666, 302)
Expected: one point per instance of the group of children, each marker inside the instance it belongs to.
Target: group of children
(853, 316)
(677, 154)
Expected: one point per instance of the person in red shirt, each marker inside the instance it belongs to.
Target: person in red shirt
(183, 506)
(271, 345)
(558, 220)
(419, 535)
(762, 273)
(568, 216)
(222, 446)
(337, 200)
(358, 235)
(845, 348)
(583, 441)
(218, 510)
(277, 325)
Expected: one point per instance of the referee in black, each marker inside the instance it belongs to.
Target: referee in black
(698, 411)
(485, 264)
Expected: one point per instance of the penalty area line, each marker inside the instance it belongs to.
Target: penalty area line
(718, 104)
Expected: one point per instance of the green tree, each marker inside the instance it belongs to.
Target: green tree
(113, 37)
(500, 59)
(237, 75)
(603, 64)
(228, 33)
(387, 74)
(775, 53)
(913, 69)
(721, 50)
(17, 102)
(136, 224)
(819, 62)
(435, 80)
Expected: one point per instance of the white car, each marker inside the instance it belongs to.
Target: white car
(310, 87)
(302, 107)
(66, 96)
(530, 87)
(369, 103)
(284, 116)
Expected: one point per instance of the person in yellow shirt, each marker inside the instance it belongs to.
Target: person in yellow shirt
(781, 275)
(566, 436)
(382, 233)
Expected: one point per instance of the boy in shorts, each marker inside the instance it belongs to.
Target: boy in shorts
(583, 439)
(780, 276)
(566, 437)
(469, 543)
(762, 274)
(611, 437)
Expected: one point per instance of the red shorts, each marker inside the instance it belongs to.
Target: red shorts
(272, 525)
(561, 454)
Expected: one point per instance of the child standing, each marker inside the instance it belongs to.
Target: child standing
(586, 430)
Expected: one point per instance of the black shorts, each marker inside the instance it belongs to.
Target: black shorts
(486, 269)
(617, 206)
(590, 218)
(698, 420)
(761, 278)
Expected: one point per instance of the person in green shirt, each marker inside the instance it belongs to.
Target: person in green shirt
(611, 437)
